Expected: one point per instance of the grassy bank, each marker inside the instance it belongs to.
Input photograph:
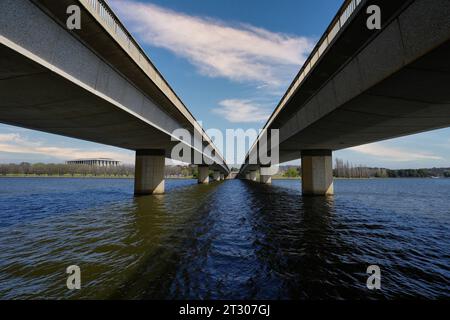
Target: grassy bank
(64, 176)
(81, 176)
(285, 178)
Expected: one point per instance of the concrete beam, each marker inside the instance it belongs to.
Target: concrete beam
(203, 174)
(317, 172)
(149, 172)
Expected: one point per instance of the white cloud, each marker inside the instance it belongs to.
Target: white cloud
(393, 154)
(239, 52)
(9, 137)
(240, 111)
(16, 143)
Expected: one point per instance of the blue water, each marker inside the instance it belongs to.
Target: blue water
(227, 240)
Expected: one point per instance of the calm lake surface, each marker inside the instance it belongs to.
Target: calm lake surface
(227, 240)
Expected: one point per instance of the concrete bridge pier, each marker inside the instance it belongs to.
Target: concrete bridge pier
(266, 179)
(317, 172)
(247, 176)
(216, 176)
(203, 174)
(253, 175)
(222, 176)
(149, 172)
(265, 175)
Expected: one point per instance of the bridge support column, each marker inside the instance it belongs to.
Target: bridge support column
(265, 179)
(149, 172)
(317, 172)
(247, 176)
(253, 175)
(216, 176)
(265, 175)
(203, 174)
(222, 176)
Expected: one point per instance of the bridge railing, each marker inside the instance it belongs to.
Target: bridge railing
(111, 22)
(109, 18)
(331, 32)
(101, 10)
(333, 29)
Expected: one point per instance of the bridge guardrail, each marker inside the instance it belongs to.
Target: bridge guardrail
(333, 29)
(113, 24)
(321, 46)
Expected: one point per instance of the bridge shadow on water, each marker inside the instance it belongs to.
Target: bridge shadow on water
(226, 240)
(241, 240)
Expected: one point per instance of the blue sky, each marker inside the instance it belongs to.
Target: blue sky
(230, 62)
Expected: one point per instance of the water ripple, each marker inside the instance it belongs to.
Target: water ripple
(228, 240)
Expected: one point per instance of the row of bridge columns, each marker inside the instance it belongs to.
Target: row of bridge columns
(203, 175)
(317, 173)
(149, 172)
(252, 176)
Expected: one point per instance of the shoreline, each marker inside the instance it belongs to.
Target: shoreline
(81, 177)
(187, 178)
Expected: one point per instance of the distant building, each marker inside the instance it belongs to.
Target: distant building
(101, 162)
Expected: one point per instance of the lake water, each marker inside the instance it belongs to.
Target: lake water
(227, 240)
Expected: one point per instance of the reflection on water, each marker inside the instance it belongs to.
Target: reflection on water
(234, 239)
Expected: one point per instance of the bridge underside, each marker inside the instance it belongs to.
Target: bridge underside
(412, 100)
(367, 86)
(34, 97)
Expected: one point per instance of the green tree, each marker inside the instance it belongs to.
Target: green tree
(291, 173)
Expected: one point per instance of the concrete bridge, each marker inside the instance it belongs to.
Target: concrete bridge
(360, 86)
(95, 84)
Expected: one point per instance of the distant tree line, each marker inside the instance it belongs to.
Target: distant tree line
(291, 172)
(181, 171)
(346, 169)
(61, 169)
(422, 173)
(342, 169)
